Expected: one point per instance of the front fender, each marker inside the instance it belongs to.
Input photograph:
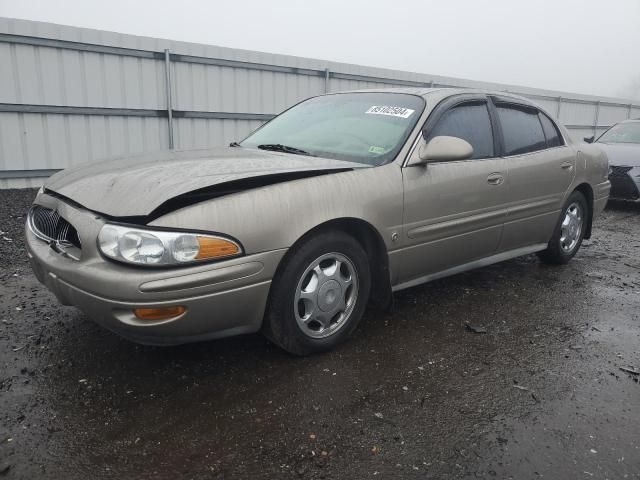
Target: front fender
(275, 216)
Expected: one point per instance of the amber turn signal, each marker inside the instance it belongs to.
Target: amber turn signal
(212, 247)
(159, 313)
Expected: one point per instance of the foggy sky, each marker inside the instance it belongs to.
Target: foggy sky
(587, 46)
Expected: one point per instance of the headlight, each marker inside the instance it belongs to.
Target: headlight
(159, 247)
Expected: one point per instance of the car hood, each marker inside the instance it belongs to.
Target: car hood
(136, 186)
(623, 154)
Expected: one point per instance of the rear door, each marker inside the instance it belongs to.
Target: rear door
(454, 210)
(540, 169)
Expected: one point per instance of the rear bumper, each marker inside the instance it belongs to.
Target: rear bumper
(601, 196)
(221, 299)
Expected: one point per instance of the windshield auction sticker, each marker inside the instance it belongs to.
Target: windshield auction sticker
(391, 111)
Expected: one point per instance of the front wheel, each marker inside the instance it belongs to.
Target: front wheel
(319, 295)
(569, 232)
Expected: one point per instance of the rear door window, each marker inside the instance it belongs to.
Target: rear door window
(471, 122)
(521, 129)
(554, 139)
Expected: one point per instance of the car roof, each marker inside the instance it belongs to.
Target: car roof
(442, 92)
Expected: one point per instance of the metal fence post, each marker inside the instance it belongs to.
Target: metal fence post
(327, 73)
(595, 120)
(629, 111)
(167, 71)
(559, 109)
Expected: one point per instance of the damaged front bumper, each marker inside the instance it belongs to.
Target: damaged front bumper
(221, 299)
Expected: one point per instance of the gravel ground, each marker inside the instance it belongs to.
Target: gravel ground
(413, 395)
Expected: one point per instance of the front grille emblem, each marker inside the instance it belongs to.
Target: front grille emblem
(49, 226)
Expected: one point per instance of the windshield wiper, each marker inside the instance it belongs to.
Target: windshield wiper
(234, 144)
(278, 147)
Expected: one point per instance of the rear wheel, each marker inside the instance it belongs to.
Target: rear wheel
(569, 232)
(319, 296)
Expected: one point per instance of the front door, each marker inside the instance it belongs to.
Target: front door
(454, 211)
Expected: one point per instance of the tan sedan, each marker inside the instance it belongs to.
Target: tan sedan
(334, 204)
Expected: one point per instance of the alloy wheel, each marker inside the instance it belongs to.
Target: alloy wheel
(326, 295)
(571, 227)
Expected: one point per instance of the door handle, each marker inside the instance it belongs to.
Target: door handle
(566, 165)
(495, 179)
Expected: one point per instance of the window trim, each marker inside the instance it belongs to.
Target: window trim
(441, 109)
(492, 100)
(555, 127)
(515, 104)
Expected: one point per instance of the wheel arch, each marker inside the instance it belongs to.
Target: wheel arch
(371, 241)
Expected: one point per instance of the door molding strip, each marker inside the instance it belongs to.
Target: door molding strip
(483, 262)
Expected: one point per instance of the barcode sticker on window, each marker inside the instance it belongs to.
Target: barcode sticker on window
(391, 111)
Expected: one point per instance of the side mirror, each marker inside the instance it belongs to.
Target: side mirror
(590, 139)
(443, 149)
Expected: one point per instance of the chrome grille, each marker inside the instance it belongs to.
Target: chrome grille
(48, 225)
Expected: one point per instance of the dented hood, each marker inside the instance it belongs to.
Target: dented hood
(136, 186)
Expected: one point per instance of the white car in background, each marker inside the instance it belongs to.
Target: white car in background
(621, 143)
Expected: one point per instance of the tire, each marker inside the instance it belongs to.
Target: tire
(319, 294)
(569, 232)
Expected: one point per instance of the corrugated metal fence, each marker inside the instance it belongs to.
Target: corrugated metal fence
(70, 95)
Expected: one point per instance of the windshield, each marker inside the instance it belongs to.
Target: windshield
(622, 133)
(359, 127)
